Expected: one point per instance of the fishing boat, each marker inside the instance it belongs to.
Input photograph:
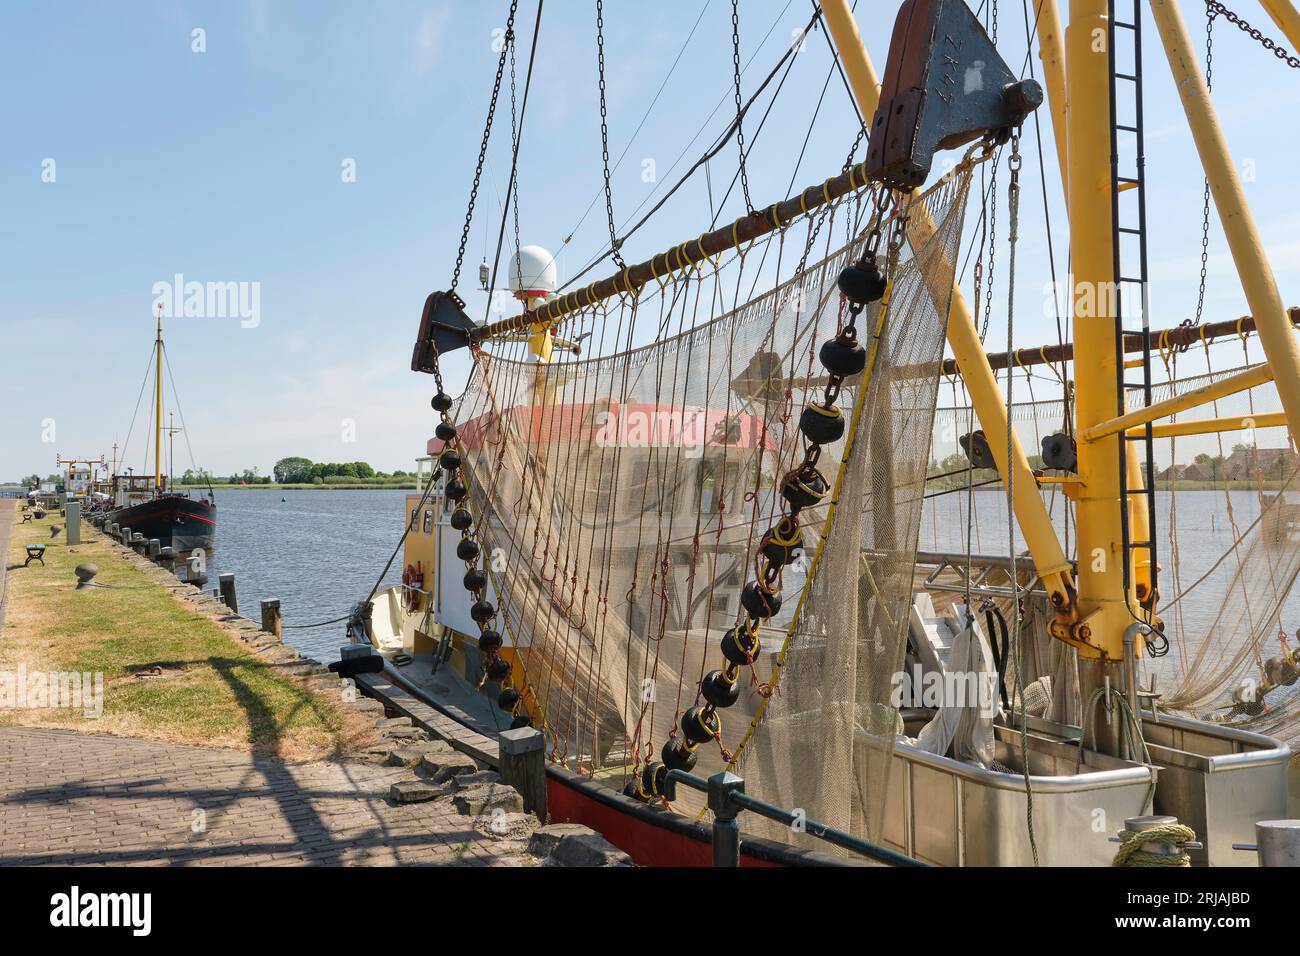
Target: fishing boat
(147, 503)
(672, 522)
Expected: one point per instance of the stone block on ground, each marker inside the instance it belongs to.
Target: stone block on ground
(415, 791)
(446, 763)
(487, 798)
(411, 754)
(404, 733)
(547, 838)
(587, 849)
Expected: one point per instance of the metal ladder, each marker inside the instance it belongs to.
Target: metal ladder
(1124, 179)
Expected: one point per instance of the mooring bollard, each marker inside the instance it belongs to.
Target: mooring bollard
(114, 530)
(227, 582)
(125, 535)
(194, 573)
(271, 617)
(523, 766)
(167, 558)
(72, 533)
(138, 543)
(155, 547)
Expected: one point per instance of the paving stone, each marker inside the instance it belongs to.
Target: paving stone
(74, 799)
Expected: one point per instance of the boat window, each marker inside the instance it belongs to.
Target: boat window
(718, 485)
(415, 518)
(428, 520)
(604, 484)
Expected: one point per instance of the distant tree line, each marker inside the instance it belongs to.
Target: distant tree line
(304, 471)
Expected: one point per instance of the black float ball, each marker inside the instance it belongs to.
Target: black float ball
(498, 670)
(804, 488)
(739, 645)
(456, 491)
(482, 611)
(719, 691)
(843, 356)
(699, 725)
(677, 757)
(475, 580)
(782, 542)
(441, 402)
(468, 549)
(449, 461)
(445, 431)
(862, 282)
(821, 424)
(652, 778)
(759, 601)
(489, 642)
(508, 698)
(461, 519)
(523, 720)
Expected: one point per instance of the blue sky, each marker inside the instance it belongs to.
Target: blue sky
(225, 166)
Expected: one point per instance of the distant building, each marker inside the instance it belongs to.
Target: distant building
(1268, 464)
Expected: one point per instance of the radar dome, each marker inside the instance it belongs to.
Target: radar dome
(532, 272)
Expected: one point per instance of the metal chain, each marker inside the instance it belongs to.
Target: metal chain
(514, 145)
(1210, 14)
(1214, 8)
(740, 113)
(993, 248)
(508, 40)
(604, 133)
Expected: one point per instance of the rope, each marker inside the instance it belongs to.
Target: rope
(1170, 834)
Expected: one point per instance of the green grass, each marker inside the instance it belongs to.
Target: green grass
(215, 691)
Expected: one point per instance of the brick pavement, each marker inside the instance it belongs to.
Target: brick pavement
(68, 798)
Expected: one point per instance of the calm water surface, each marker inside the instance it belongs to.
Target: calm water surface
(319, 552)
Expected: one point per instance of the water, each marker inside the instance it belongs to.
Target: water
(319, 552)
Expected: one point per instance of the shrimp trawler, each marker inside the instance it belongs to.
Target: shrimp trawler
(674, 520)
(146, 503)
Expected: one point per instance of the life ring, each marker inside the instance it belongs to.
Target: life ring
(412, 578)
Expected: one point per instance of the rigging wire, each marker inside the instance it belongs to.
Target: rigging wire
(184, 428)
(711, 152)
(740, 113)
(614, 243)
(513, 185)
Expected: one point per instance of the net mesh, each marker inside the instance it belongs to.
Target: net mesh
(1228, 548)
(622, 494)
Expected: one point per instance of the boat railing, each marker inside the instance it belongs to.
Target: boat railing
(727, 799)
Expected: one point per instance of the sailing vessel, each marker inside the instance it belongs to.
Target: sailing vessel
(673, 525)
(147, 504)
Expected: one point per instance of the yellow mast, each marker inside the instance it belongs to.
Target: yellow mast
(1049, 558)
(157, 430)
(1284, 15)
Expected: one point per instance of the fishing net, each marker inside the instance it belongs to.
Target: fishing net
(622, 494)
(1228, 548)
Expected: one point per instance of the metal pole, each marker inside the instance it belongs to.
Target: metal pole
(1281, 349)
(1285, 16)
(1035, 524)
(726, 828)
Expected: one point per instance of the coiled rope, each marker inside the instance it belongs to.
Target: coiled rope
(1168, 834)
